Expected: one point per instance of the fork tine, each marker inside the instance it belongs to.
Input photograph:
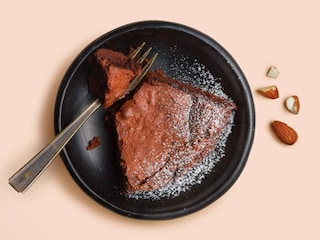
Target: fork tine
(143, 57)
(137, 50)
(144, 71)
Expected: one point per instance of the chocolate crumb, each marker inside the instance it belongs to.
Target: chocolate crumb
(93, 143)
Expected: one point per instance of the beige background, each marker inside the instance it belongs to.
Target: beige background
(276, 197)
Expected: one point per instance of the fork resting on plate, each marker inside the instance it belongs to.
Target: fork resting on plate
(32, 170)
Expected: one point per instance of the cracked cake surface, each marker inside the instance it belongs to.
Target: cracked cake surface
(166, 129)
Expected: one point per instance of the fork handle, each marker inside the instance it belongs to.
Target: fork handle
(30, 172)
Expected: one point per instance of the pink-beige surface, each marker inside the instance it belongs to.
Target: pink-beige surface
(278, 194)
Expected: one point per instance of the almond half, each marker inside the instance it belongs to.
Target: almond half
(269, 92)
(292, 103)
(285, 133)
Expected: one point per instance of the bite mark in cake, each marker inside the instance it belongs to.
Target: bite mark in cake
(110, 75)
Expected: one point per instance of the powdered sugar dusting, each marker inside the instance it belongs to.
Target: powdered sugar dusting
(198, 75)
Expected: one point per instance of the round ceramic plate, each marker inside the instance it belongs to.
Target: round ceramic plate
(98, 171)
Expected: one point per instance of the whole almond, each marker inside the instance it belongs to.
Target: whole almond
(269, 92)
(285, 133)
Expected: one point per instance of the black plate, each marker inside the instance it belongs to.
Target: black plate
(98, 173)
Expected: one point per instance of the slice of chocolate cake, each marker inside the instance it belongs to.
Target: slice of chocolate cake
(167, 128)
(110, 75)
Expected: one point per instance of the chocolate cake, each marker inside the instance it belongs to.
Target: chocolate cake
(167, 128)
(110, 75)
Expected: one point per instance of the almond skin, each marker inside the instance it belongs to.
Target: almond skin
(285, 133)
(269, 92)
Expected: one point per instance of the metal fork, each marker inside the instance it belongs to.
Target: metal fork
(32, 170)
